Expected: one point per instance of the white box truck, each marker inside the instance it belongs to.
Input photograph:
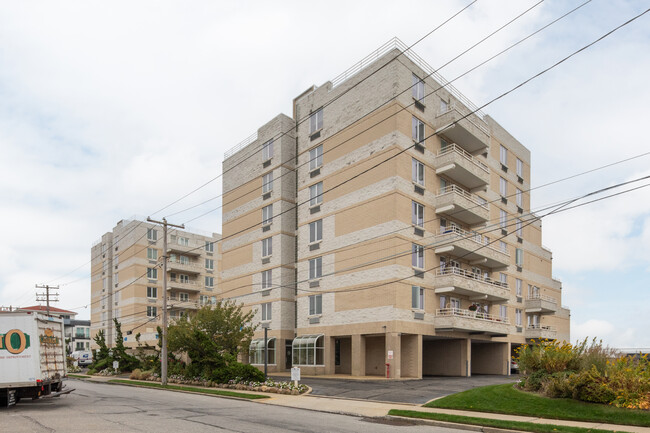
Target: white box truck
(32, 357)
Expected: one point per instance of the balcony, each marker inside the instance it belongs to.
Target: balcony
(540, 332)
(471, 133)
(173, 303)
(458, 281)
(462, 205)
(190, 268)
(541, 304)
(474, 322)
(187, 286)
(194, 250)
(460, 243)
(463, 168)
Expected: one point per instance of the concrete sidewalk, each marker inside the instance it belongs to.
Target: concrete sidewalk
(366, 408)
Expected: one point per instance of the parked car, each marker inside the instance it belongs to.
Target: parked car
(514, 367)
(83, 357)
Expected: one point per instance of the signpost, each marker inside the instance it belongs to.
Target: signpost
(295, 375)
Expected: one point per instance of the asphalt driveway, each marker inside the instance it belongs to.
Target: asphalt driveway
(403, 391)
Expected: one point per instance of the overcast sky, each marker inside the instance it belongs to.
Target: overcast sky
(115, 109)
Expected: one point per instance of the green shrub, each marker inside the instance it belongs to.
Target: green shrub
(244, 371)
(557, 385)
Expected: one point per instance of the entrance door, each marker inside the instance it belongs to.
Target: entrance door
(288, 355)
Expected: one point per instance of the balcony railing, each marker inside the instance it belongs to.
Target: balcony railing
(175, 283)
(453, 148)
(455, 189)
(188, 267)
(450, 270)
(544, 327)
(477, 315)
(472, 236)
(536, 296)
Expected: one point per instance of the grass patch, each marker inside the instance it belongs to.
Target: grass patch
(79, 376)
(192, 389)
(498, 423)
(506, 399)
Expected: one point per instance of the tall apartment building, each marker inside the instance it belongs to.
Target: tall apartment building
(126, 278)
(391, 227)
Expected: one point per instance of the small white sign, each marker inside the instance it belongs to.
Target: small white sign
(116, 365)
(295, 373)
(390, 354)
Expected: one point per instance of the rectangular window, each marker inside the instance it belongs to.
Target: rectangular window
(417, 214)
(267, 150)
(519, 257)
(152, 234)
(454, 303)
(184, 260)
(518, 317)
(503, 219)
(209, 264)
(267, 182)
(209, 281)
(503, 278)
(417, 172)
(315, 157)
(152, 311)
(316, 194)
(518, 284)
(209, 246)
(267, 278)
(444, 106)
(443, 302)
(417, 297)
(503, 310)
(184, 297)
(184, 278)
(315, 268)
(316, 121)
(204, 300)
(267, 247)
(417, 130)
(418, 88)
(315, 231)
(267, 214)
(152, 292)
(518, 198)
(152, 254)
(503, 155)
(520, 168)
(315, 304)
(267, 312)
(503, 246)
(152, 273)
(519, 228)
(417, 256)
(503, 187)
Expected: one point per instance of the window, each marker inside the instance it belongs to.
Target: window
(152, 273)
(417, 297)
(184, 278)
(417, 214)
(184, 297)
(503, 246)
(518, 284)
(316, 121)
(503, 187)
(315, 157)
(183, 241)
(315, 268)
(209, 281)
(443, 302)
(257, 351)
(503, 278)
(152, 234)
(152, 292)
(267, 214)
(519, 257)
(209, 264)
(152, 254)
(308, 350)
(503, 312)
(267, 150)
(152, 311)
(209, 246)
(417, 172)
(316, 194)
(503, 219)
(417, 256)
(417, 130)
(267, 182)
(418, 88)
(454, 303)
(444, 106)
(520, 168)
(518, 317)
(519, 228)
(267, 247)
(315, 231)
(503, 155)
(267, 312)
(267, 277)
(315, 304)
(184, 260)
(518, 198)
(204, 300)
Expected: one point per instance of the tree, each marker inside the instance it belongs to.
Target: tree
(127, 362)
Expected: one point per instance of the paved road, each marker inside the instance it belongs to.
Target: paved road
(410, 391)
(97, 407)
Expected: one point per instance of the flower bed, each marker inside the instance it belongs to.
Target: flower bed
(270, 385)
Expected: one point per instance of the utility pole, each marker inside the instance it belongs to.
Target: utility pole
(163, 368)
(40, 297)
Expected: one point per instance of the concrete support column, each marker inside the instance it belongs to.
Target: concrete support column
(466, 357)
(358, 355)
(329, 355)
(508, 352)
(394, 345)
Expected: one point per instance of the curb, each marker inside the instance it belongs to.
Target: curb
(453, 425)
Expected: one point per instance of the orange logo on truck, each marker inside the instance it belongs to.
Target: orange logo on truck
(14, 341)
